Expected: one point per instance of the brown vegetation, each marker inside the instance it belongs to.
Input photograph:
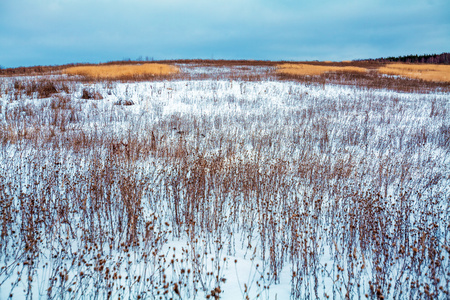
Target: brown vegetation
(114, 72)
(353, 175)
(370, 73)
(308, 69)
(428, 72)
(373, 78)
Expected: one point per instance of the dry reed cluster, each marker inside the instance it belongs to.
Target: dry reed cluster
(426, 72)
(112, 72)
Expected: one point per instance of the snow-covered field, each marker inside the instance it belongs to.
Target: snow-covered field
(223, 189)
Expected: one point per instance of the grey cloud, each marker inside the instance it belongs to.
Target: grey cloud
(62, 31)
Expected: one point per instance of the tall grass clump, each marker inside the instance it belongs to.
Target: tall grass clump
(113, 72)
(427, 72)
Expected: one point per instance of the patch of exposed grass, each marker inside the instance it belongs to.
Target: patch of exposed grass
(122, 71)
(307, 69)
(428, 72)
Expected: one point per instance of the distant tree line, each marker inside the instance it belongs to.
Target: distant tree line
(443, 58)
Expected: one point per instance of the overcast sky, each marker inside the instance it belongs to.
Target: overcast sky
(49, 32)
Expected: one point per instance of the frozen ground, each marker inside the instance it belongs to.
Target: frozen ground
(223, 188)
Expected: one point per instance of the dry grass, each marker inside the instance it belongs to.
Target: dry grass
(307, 69)
(362, 73)
(345, 73)
(335, 172)
(426, 72)
(122, 71)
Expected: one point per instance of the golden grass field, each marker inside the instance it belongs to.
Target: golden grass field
(306, 69)
(122, 71)
(426, 72)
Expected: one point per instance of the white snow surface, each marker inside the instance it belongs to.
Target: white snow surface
(248, 113)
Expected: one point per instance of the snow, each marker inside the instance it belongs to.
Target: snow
(295, 135)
